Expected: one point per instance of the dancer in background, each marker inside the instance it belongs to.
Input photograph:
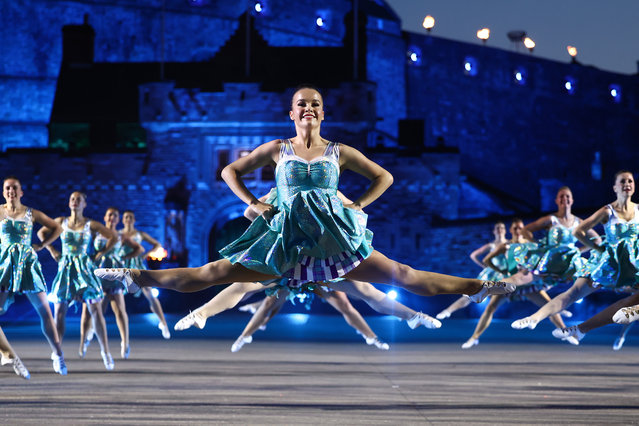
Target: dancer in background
(9, 357)
(613, 264)
(20, 270)
(487, 273)
(137, 262)
(312, 237)
(113, 290)
(531, 293)
(75, 281)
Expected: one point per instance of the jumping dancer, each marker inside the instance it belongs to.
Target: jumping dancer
(128, 220)
(613, 264)
(487, 273)
(75, 281)
(312, 236)
(20, 270)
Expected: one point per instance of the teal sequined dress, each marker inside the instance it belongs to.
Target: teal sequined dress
(617, 268)
(134, 262)
(500, 262)
(111, 259)
(312, 237)
(20, 270)
(554, 259)
(75, 280)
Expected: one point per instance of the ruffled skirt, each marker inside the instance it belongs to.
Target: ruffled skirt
(75, 280)
(616, 268)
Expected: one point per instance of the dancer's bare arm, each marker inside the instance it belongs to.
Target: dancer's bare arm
(474, 256)
(55, 229)
(381, 179)
(582, 230)
(43, 233)
(112, 237)
(538, 225)
(500, 249)
(264, 155)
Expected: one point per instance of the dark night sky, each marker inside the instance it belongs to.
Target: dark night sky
(606, 33)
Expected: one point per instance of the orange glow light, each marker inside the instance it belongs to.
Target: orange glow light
(483, 34)
(572, 51)
(157, 254)
(429, 22)
(529, 43)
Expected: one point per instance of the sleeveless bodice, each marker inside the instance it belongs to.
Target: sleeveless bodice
(500, 261)
(124, 249)
(561, 235)
(294, 174)
(100, 242)
(618, 229)
(75, 242)
(16, 231)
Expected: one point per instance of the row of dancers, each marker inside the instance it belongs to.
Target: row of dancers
(75, 281)
(306, 237)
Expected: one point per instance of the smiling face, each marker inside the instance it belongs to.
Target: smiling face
(307, 108)
(111, 218)
(77, 202)
(564, 198)
(516, 228)
(499, 230)
(11, 190)
(128, 219)
(624, 185)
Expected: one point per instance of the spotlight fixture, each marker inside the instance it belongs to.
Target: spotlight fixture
(414, 55)
(470, 66)
(615, 92)
(520, 76)
(392, 294)
(429, 23)
(319, 21)
(483, 34)
(570, 84)
(529, 43)
(259, 7)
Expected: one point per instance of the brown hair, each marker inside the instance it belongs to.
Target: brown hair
(620, 172)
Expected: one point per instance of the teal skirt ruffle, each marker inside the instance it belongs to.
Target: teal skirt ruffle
(616, 268)
(75, 280)
(550, 264)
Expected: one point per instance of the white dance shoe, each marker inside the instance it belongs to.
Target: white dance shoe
(626, 315)
(107, 359)
(192, 319)
(250, 308)
(59, 366)
(443, 315)
(566, 314)
(571, 335)
(378, 343)
(241, 341)
(619, 341)
(122, 275)
(423, 319)
(470, 343)
(165, 330)
(524, 323)
(18, 366)
(125, 351)
(488, 288)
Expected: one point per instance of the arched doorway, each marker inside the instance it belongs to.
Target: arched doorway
(223, 234)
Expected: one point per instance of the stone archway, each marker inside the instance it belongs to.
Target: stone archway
(222, 234)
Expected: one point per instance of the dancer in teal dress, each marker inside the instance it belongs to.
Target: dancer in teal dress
(612, 265)
(487, 273)
(114, 291)
(310, 235)
(75, 281)
(20, 270)
(128, 220)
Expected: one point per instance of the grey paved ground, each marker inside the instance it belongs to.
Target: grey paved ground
(198, 381)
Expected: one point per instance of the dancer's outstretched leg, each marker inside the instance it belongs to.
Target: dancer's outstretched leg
(9, 356)
(380, 302)
(99, 325)
(269, 306)
(86, 329)
(629, 313)
(156, 308)
(458, 304)
(580, 289)
(602, 318)
(484, 320)
(41, 305)
(376, 267)
(520, 278)
(224, 300)
(60, 316)
(541, 299)
(621, 339)
(118, 306)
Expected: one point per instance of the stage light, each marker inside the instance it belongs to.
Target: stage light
(529, 43)
(579, 301)
(483, 34)
(298, 318)
(414, 55)
(51, 297)
(258, 7)
(572, 51)
(155, 292)
(429, 23)
(615, 92)
(470, 66)
(319, 21)
(520, 76)
(392, 294)
(570, 84)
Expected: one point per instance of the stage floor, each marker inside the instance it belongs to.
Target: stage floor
(191, 380)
